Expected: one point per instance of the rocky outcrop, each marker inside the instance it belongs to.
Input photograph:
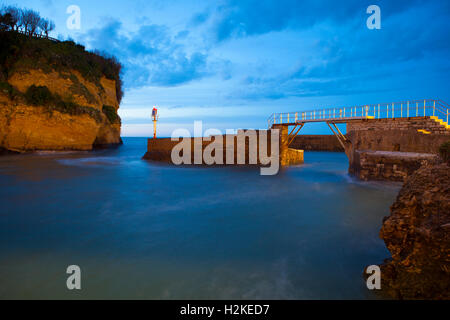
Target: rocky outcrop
(417, 233)
(108, 135)
(26, 127)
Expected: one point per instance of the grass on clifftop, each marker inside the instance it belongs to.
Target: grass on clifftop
(21, 53)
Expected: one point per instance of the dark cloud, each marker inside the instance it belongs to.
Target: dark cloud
(346, 57)
(240, 18)
(412, 44)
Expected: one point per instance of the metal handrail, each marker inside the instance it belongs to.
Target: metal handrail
(404, 109)
(35, 35)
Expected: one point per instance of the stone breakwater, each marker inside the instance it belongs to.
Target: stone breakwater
(317, 143)
(240, 149)
(417, 234)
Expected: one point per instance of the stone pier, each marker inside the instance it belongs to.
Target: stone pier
(161, 149)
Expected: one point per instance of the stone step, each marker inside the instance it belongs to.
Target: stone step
(441, 122)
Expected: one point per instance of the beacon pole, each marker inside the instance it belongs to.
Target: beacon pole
(155, 120)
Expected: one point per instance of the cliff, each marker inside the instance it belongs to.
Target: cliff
(417, 233)
(56, 96)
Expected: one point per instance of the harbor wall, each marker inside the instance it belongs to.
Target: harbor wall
(317, 143)
(400, 135)
(162, 149)
(392, 149)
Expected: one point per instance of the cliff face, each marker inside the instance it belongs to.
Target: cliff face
(25, 126)
(417, 233)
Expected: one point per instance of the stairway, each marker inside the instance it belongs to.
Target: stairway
(441, 122)
(434, 125)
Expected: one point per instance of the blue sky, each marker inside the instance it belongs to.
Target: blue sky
(232, 63)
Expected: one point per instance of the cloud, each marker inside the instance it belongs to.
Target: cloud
(338, 56)
(199, 18)
(241, 18)
(350, 59)
(151, 55)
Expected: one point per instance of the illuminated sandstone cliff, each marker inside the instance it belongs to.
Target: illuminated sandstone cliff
(25, 127)
(56, 96)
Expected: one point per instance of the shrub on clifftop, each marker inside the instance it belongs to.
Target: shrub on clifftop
(22, 52)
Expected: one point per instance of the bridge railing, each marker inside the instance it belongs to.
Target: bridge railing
(404, 109)
(35, 35)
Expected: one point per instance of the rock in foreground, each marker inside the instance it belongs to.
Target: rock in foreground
(417, 233)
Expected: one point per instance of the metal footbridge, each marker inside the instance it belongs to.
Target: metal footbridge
(434, 109)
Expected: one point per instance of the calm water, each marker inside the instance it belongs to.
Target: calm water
(143, 230)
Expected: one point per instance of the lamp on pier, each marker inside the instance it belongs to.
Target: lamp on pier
(155, 120)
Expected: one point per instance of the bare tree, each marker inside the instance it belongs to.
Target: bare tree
(4, 22)
(43, 23)
(30, 21)
(12, 15)
(46, 26)
(51, 27)
(25, 20)
(35, 22)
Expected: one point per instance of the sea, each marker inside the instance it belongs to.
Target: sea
(145, 230)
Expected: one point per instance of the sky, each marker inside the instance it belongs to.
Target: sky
(232, 63)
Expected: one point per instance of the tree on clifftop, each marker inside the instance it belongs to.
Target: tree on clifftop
(26, 21)
(30, 20)
(46, 26)
(11, 17)
(5, 22)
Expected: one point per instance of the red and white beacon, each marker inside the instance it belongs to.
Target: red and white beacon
(155, 120)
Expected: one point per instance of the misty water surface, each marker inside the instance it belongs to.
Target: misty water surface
(144, 230)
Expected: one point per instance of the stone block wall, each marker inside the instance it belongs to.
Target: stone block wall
(403, 124)
(293, 157)
(386, 165)
(317, 143)
(398, 135)
(392, 149)
(161, 149)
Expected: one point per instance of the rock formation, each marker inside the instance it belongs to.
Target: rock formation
(55, 95)
(25, 127)
(417, 233)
